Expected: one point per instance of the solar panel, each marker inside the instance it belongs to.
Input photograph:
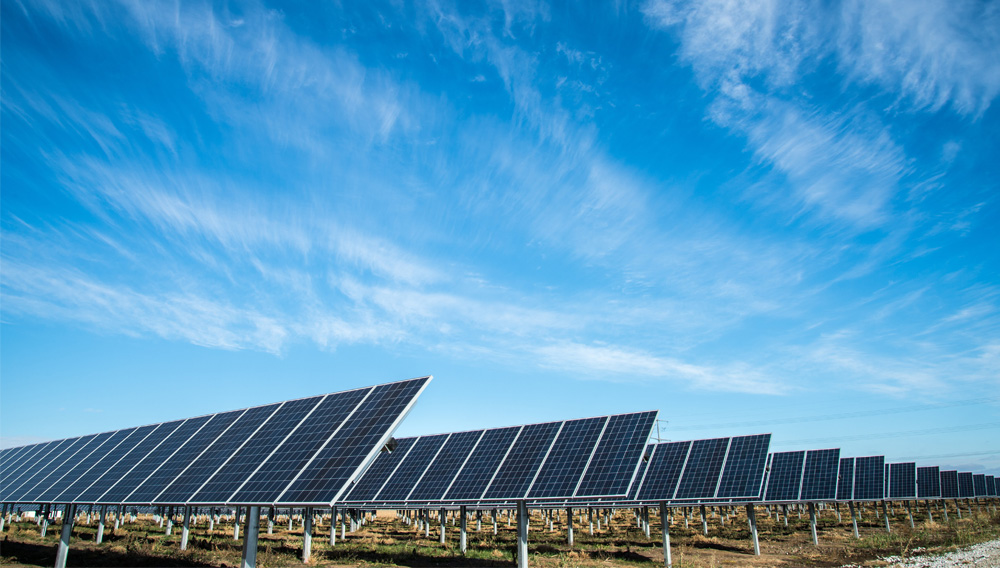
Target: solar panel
(819, 476)
(869, 478)
(902, 480)
(616, 458)
(966, 489)
(319, 442)
(991, 486)
(928, 482)
(743, 472)
(845, 480)
(979, 485)
(520, 466)
(785, 478)
(701, 473)
(949, 484)
(380, 471)
(445, 466)
(641, 474)
(413, 466)
(664, 471)
(561, 472)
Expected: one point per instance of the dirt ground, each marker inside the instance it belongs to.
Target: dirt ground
(388, 541)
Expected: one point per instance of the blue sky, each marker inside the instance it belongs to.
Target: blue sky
(756, 216)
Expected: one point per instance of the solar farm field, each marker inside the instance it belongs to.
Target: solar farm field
(387, 539)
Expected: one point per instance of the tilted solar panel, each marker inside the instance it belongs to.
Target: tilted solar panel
(445, 466)
(380, 471)
(869, 478)
(991, 486)
(819, 476)
(845, 480)
(928, 482)
(784, 481)
(902, 480)
(519, 468)
(979, 485)
(663, 471)
(949, 484)
(616, 458)
(744, 467)
(966, 488)
(568, 457)
(641, 474)
(471, 482)
(704, 465)
(413, 466)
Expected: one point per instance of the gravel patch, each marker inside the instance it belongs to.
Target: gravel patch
(983, 555)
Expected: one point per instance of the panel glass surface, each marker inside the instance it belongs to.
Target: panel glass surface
(366, 488)
(966, 489)
(335, 465)
(704, 464)
(979, 484)
(112, 456)
(902, 480)
(280, 469)
(412, 468)
(60, 466)
(928, 482)
(785, 478)
(744, 469)
(519, 468)
(83, 463)
(618, 454)
(845, 481)
(819, 478)
(641, 474)
(561, 472)
(949, 484)
(109, 476)
(483, 462)
(16, 457)
(664, 471)
(184, 456)
(257, 448)
(991, 487)
(869, 478)
(445, 466)
(19, 473)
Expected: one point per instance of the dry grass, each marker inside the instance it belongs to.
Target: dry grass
(389, 542)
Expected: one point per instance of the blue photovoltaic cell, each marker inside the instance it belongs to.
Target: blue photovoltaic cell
(334, 466)
(979, 484)
(845, 480)
(902, 480)
(561, 472)
(185, 455)
(367, 488)
(869, 478)
(928, 482)
(949, 484)
(966, 489)
(146, 466)
(406, 477)
(473, 478)
(108, 476)
(112, 456)
(744, 467)
(633, 492)
(819, 477)
(785, 478)
(664, 471)
(617, 456)
(18, 473)
(521, 464)
(280, 469)
(56, 479)
(704, 464)
(84, 463)
(257, 448)
(991, 486)
(24, 480)
(15, 457)
(445, 466)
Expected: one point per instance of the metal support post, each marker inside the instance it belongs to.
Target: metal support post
(784, 514)
(333, 526)
(479, 520)
(100, 524)
(837, 507)
(463, 514)
(249, 559)
(45, 521)
(704, 521)
(307, 534)
(494, 522)
(590, 519)
(170, 521)
(522, 534)
(752, 521)
(187, 527)
(666, 535)
(910, 513)
(886, 517)
(270, 520)
(645, 520)
(67, 531)
(444, 519)
(236, 524)
(812, 523)
(427, 523)
(569, 526)
(854, 519)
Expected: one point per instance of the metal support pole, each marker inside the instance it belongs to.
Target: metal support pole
(494, 522)
(886, 516)
(812, 523)
(704, 521)
(910, 513)
(249, 559)
(590, 519)
(45, 521)
(666, 535)
(67, 531)
(307, 534)
(187, 527)
(333, 526)
(170, 521)
(854, 519)
(958, 509)
(522, 534)
(569, 526)
(236, 524)
(100, 524)
(427, 524)
(462, 529)
(645, 520)
(752, 521)
(270, 520)
(444, 519)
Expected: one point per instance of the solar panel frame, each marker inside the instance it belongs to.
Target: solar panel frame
(869, 478)
(903, 480)
(743, 471)
(949, 484)
(845, 480)
(929, 482)
(820, 475)
(616, 458)
(979, 485)
(568, 458)
(966, 488)
(784, 480)
(699, 479)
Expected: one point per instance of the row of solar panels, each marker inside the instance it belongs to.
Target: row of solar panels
(303, 451)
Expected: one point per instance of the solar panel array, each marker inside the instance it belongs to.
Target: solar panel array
(803, 476)
(574, 459)
(719, 469)
(301, 451)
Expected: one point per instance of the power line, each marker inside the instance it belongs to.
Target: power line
(904, 433)
(839, 416)
(987, 453)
